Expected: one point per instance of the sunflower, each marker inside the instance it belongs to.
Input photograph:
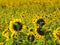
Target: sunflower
(56, 34)
(41, 21)
(31, 38)
(39, 33)
(16, 25)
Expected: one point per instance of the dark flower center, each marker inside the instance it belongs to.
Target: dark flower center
(17, 26)
(41, 22)
(40, 31)
(31, 38)
(31, 30)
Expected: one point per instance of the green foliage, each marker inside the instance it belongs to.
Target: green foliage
(9, 42)
(2, 39)
(19, 38)
(50, 42)
(40, 42)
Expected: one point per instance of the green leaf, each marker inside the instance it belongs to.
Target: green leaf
(40, 42)
(9, 42)
(2, 39)
(50, 42)
(0, 34)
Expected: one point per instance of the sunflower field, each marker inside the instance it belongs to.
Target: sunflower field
(29, 22)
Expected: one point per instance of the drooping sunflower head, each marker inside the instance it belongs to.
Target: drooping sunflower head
(56, 34)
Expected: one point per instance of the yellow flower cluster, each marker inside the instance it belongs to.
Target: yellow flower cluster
(56, 34)
(28, 12)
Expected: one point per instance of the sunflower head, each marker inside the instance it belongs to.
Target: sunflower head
(16, 25)
(56, 34)
(40, 33)
(31, 38)
(40, 22)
